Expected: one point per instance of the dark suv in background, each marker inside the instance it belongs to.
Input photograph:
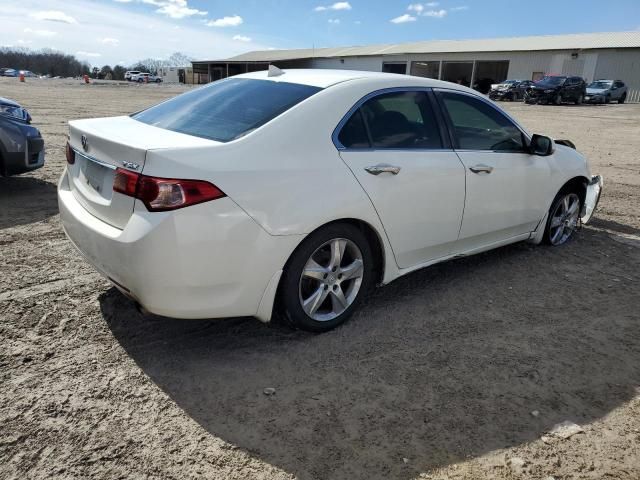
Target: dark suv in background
(21, 145)
(557, 89)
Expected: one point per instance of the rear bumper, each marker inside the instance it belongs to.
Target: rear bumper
(205, 261)
(592, 198)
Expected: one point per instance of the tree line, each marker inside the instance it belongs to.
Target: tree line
(53, 63)
(43, 62)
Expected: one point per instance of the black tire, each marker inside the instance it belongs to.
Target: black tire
(290, 292)
(622, 98)
(580, 99)
(158, 80)
(557, 100)
(548, 234)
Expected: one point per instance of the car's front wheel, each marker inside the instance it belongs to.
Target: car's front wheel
(326, 277)
(558, 99)
(563, 219)
(622, 98)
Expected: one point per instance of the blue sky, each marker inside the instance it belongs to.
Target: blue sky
(123, 31)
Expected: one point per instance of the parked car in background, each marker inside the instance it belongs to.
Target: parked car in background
(605, 91)
(557, 89)
(509, 90)
(9, 72)
(181, 205)
(146, 78)
(21, 145)
(130, 73)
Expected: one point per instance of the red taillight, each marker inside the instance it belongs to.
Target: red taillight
(71, 155)
(126, 182)
(161, 194)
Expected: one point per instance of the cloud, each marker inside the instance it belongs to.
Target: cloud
(241, 38)
(174, 10)
(40, 33)
(53, 16)
(459, 9)
(110, 41)
(171, 8)
(109, 19)
(435, 13)
(88, 54)
(334, 21)
(416, 7)
(431, 4)
(406, 18)
(335, 6)
(233, 21)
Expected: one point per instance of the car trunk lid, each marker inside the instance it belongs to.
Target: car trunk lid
(100, 147)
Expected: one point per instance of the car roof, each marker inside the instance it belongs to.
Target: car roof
(325, 78)
(6, 101)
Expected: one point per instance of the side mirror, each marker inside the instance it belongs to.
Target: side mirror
(541, 145)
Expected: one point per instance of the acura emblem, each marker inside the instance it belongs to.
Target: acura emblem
(85, 145)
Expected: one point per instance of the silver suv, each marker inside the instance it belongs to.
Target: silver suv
(605, 91)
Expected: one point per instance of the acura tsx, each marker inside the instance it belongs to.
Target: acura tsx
(298, 190)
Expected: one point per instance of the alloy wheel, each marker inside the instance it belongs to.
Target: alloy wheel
(331, 279)
(564, 219)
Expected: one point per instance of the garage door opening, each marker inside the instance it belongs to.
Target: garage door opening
(425, 69)
(488, 73)
(457, 72)
(395, 67)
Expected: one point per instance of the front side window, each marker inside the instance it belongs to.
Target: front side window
(401, 120)
(479, 126)
(227, 109)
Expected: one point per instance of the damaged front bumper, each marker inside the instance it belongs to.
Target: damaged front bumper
(594, 190)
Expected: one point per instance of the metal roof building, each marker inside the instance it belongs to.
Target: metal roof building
(614, 55)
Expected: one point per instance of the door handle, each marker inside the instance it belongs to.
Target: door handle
(481, 169)
(382, 168)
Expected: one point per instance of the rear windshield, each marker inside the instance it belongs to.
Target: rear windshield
(227, 109)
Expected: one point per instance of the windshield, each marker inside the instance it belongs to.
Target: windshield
(226, 109)
(552, 80)
(510, 81)
(600, 85)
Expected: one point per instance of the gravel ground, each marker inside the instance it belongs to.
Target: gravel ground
(436, 377)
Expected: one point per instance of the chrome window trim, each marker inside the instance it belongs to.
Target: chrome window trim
(359, 103)
(93, 159)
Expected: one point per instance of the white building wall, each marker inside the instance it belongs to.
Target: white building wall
(622, 64)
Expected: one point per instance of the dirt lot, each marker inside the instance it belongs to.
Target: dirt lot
(436, 377)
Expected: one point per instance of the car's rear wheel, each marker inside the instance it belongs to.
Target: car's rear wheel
(558, 99)
(326, 277)
(622, 98)
(564, 216)
(580, 99)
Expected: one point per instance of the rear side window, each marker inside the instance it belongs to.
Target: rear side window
(354, 133)
(398, 120)
(227, 109)
(479, 126)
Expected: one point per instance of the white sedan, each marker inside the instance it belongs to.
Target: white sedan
(298, 190)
